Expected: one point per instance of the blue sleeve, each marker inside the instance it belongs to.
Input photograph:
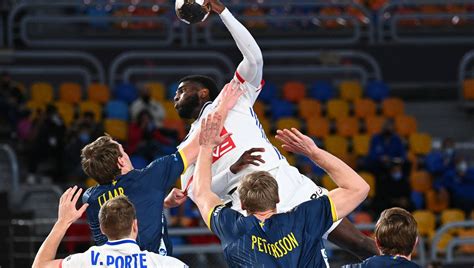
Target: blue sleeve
(223, 223)
(165, 170)
(317, 215)
(92, 213)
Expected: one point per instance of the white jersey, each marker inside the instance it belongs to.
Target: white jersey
(120, 253)
(247, 132)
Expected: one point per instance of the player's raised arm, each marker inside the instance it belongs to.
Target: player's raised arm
(251, 67)
(352, 189)
(209, 137)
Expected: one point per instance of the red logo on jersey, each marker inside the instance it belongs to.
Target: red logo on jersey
(226, 146)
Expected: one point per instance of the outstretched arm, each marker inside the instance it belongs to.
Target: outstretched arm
(251, 67)
(66, 216)
(209, 137)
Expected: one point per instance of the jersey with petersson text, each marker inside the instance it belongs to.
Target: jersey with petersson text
(291, 239)
(247, 133)
(146, 188)
(120, 253)
(384, 261)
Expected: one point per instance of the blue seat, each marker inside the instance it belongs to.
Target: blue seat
(418, 200)
(171, 90)
(126, 92)
(268, 93)
(138, 161)
(281, 108)
(377, 90)
(98, 17)
(117, 110)
(322, 90)
(434, 162)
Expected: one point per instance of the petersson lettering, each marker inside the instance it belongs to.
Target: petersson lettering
(278, 249)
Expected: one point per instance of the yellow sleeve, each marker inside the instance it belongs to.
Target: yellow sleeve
(185, 161)
(208, 223)
(333, 210)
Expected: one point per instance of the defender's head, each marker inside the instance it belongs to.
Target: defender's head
(258, 192)
(117, 219)
(104, 159)
(192, 93)
(396, 232)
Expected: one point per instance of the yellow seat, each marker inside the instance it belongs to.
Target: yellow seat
(70, 92)
(176, 124)
(98, 93)
(361, 144)
(350, 90)
(288, 123)
(426, 221)
(347, 126)
(468, 89)
(308, 108)
(259, 108)
(328, 183)
(42, 92)
(405, 125)
(420, 181)
(171, 112)
(66, 111)
(420, 143)
(452, 215)
(318, 127)
(294, 91)
(437, 201)
(36, 108)
(467, 248)
(336, 145)
(392, 107)
(443, 242)
(89, 106)
(337, 108)
(364, 108)
(157, 90)
(370, 179)
(266, 124)
(116, 128)
(374, 124)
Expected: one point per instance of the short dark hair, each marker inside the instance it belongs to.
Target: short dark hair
(99, 159)
(205, 82)
(116, 217)
(258, 192)
(396, 232)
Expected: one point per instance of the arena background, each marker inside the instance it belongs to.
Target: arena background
(335, 69)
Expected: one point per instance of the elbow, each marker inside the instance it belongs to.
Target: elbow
(364, 189)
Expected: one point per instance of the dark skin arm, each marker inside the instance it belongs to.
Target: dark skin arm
(347, 237)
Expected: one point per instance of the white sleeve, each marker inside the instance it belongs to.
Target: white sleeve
(167, 262)
(75, 260)
(251, 67)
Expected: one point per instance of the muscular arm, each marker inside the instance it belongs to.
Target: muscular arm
(251, 67)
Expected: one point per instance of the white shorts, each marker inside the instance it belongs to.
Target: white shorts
(294, 188)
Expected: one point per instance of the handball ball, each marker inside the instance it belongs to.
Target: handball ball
(192, 11)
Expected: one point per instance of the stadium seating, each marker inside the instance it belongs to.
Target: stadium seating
(157, 90)
(171, 112)
(117, 110)
(466, 233)
(405, 125)
(392, 107)
(259, 108)
(318, 127)
(281, 108)
(42, 92)
(437, 201)
(322, 91)
(117, 129)
(361, 144)
(125, 92)
(336, 145)
(370, 179)
(452, 215)
(89, 106)
(36, 108)
(377, 90)
(171, 90)
(98, 93)
(308, 108)
(374, 124)
(347, 126)
(176, 124)
(364, 108)
(70, 92)
(420, 181)
(288, 123)
(337, 108)
(66, 111)
(468, 89)
(268, 93)
(350, 90)
(294, 91)
(420, 143)
(328, 183)
(426, 222)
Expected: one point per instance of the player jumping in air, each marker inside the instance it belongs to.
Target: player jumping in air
(197, 96)
(266, 238)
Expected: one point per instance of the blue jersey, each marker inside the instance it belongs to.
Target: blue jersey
(292, 239)
(146, 189)
(384, 261)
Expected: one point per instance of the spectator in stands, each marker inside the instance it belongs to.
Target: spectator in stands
(459, 182)
(145, 102)
(118, 222)
(449, 153)
(393, 189)
(396, 236)
(11, 100)
(47, 144)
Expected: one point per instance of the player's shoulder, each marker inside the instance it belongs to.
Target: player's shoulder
(164, 261)
(387, 261)
(89, 193)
